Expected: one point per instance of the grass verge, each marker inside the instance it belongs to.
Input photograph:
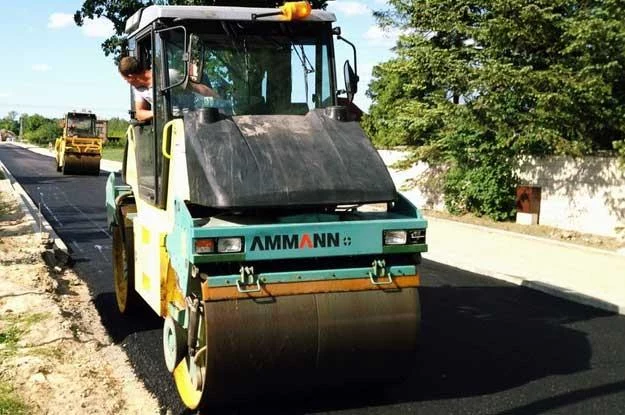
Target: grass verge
(13, 328)
(115, 153)
(10, 403)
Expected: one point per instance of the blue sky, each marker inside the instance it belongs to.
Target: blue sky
(51, 66)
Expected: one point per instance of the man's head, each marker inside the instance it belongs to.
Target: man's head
(133, 72)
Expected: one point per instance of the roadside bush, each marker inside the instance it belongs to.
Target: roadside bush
(486, 190)
(44, 134)
(115, 142)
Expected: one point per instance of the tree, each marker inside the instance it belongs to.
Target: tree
(476, 84)
(10, 123)
(41, 130)
(117, 127)
(118, 11)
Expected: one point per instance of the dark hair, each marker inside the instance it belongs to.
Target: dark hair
(129, 65)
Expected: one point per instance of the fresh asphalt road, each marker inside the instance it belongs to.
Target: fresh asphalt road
(487, 347)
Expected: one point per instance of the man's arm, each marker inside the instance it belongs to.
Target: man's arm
(203, 90)
(143, 111)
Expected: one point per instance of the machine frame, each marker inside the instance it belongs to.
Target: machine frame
(295, 278)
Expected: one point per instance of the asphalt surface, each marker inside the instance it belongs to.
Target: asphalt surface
(487, 347)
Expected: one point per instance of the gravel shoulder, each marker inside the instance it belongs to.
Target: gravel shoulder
(55, 355)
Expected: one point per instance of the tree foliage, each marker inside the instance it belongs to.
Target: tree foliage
(41, 130)
(10, 122)
(118, 11)
(475, 84)
(117, 127)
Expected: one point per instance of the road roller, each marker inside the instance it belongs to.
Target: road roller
(79, 149)
(254, 215)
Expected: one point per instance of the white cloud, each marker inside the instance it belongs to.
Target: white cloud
(378, 36)
(59, 20)
(4, 95)
(350, 8)
(41, 67)
(101, 27)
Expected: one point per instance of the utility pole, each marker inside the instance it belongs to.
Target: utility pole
(21, 137)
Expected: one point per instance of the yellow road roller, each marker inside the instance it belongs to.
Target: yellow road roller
(79, 149)
(254, 215)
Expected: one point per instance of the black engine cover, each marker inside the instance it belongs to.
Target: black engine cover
(282, 161)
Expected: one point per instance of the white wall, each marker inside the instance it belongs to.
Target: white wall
(585, 195)
(418, 183)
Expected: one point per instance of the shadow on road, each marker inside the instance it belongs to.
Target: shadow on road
(478, 339)
(120, 327)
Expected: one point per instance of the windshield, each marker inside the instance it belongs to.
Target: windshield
(249, 68)
(81, 125)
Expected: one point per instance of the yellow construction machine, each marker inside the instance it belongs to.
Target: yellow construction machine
(79, 149)
(254, 215)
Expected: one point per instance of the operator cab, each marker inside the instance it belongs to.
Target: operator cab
(81, 124)
(254, 64)
(258, 100)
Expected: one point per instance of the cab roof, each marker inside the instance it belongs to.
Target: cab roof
(147, 15)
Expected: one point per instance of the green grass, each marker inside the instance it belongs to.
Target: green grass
(10, 403)
(115, 153)
(16, 326)
(5, 209)
(50, 353)
(9, 338)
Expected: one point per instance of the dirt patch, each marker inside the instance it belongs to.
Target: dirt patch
(593, 241)
(54, 352)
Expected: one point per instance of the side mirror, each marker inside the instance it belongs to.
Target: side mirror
(196, 59)
(351, 80)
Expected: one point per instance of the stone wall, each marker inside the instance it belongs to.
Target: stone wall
(585, 195)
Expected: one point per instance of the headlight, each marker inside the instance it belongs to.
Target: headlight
(395, 237)
(404, 237)
(225, 245)
(219, 245)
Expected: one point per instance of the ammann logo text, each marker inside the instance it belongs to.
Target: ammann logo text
(304, 241)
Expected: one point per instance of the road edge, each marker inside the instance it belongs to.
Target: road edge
(60, 254)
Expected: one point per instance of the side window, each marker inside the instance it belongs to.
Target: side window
(323, 77)
(141, 49)
(173, 44)
(146, 148)
(169, 70)
(302, 73)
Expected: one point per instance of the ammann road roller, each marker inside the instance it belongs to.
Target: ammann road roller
(79, 150)
(257, 219)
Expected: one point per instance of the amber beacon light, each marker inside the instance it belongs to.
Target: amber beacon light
(296, 10)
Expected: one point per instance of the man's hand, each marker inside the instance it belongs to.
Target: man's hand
(143, 112)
